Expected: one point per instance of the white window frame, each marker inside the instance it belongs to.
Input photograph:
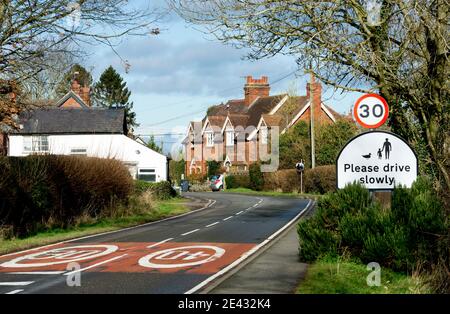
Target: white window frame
(264, 132)
(36, 144)
(209, 139)
(146, 171)
(229, 137)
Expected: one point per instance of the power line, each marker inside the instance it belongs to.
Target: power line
(201, 111)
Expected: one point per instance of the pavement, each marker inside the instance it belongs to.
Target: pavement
(276, 270)
(185, 254)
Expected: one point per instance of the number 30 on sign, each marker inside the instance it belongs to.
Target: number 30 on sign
(371, 111)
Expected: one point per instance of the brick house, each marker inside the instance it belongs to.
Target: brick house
(238, 132)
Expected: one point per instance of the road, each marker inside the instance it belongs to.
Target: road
(178, 255)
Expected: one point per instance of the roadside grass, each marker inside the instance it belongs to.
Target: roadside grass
(160, 210)
(347, 277)
(272, 193)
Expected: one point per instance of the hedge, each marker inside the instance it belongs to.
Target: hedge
(237, 181)
(43, 191)
(321, 180)
(160, 190)
(412, 234)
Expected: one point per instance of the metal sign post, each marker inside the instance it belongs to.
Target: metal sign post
(300, 167)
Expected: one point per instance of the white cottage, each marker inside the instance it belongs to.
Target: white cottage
(92, 132)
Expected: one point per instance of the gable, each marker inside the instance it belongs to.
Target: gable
(71, 101)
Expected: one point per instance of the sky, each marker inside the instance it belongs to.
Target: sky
(176, 75)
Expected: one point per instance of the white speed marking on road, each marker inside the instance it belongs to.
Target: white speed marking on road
(184, 256)
(63, 255)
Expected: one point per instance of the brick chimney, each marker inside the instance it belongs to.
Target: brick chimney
(255, 88)
(315, 89)
(83, 92)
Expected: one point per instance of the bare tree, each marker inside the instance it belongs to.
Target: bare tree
(35, 34)
(399, 48)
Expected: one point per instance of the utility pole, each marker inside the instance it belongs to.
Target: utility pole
(311, 110)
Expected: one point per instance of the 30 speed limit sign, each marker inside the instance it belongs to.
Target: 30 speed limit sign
(371, 111)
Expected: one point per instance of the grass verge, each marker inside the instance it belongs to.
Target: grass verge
(272, 193)
(345, 277)
(161, 210)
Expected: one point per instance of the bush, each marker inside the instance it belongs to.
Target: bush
(282, 181)
(237, 181)
(321, 179)
(38, 192)
(256, 177)
(160, 191)
(406, 237)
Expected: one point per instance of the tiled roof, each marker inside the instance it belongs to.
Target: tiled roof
(76, 121)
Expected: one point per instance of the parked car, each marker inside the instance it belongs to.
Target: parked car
(216, 183)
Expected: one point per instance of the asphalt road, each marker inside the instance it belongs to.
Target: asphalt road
(171, 256)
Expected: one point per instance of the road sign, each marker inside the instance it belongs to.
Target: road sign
(371, 111)
(379, 160)
(300, 166)
(184, 256)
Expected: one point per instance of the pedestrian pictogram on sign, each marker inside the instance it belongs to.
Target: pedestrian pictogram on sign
(371, 111)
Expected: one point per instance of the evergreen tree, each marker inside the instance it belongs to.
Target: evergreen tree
(152, 145)
(111, 92)
(84, 78)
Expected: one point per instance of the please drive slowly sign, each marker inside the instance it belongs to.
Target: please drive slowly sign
(378, 160)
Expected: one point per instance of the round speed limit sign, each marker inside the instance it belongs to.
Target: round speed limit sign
(371, 111)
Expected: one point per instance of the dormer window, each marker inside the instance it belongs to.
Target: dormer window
(229, 137)
(264, 134)
(209, 139)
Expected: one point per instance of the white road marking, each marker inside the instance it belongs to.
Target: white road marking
(255, 205)
(213, 224)
(189, 232)
(16, 283)
(210, 203)
(225, 219)
(239, 212)
(246, 254)
(95, 265)
(37, 272)
(161, 242)
(14, 291)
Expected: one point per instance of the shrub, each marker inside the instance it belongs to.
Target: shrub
(256, 177)
(282, 180)
(160, 191)
(321, 179)
(52, 191)
(237, 181)
(409, 235)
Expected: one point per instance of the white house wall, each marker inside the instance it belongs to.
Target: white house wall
(135, 155)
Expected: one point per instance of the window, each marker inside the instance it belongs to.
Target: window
(148, 175)
(35, 144)
(230, 138)
(78, 151)
(209, 139)
(264, 135)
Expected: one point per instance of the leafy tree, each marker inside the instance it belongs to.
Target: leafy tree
(111, 92)
(399, 48)
(295, 145)
(84, 78)
(214, 167)
(330, 139)
(152, 145)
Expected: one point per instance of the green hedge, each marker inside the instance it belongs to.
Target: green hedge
(409, 235)
(161, 190)
(237, 181)
(38, 192)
